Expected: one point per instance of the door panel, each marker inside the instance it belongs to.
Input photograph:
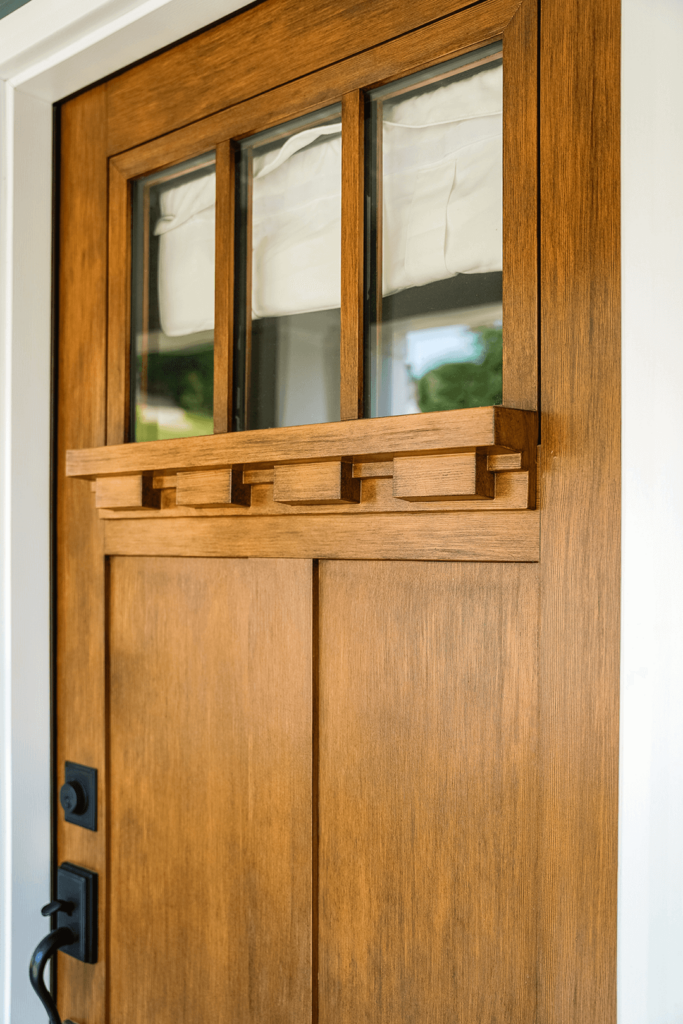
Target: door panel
(428, 708)
(210, 815)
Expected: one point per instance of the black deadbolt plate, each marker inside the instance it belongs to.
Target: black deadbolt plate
(82, 780)
(78, 886)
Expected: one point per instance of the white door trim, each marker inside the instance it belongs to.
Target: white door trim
(650, 938)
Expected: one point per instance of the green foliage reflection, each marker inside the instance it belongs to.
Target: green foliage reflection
(466, 385)
(176, 380)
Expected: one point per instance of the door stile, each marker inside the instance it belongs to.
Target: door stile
(580, 512)
(79, 556)
(353, 249)
(223, 340)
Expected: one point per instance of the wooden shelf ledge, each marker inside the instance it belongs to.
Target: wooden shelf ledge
(490, 429)
(463, 459)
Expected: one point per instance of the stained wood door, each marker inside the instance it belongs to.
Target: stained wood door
(357, 761)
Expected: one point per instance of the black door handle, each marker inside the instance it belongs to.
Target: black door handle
(76, 931)
(46, 948)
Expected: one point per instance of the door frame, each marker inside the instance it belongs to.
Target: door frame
(75, 47)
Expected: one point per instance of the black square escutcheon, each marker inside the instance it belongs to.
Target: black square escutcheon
(78, 886)
(78, 795)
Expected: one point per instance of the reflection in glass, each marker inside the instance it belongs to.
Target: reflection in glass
(434, 238)
(174, 226)
(287, 335)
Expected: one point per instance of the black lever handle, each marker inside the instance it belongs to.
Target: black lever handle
(53, 908)
(45, 949)
(76, 931)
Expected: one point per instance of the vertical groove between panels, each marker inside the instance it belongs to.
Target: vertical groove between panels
(315, 788)
(104, 908)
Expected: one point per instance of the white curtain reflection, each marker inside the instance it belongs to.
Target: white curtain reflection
(442, 189)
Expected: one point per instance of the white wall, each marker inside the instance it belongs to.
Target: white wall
(651, 800)
(50, 48)
(24, 553)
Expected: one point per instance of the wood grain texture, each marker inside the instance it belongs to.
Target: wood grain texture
(317, 483)
(361, 470)
(468, 536)
(500, 463)
(435, 42)
(257, 476)
(119, 309)
(520, 205)
(486, 427)
(353, 253)
(234, 60)
(225, 281)
(366, 470)
(428, 719)
(580, 479)
(79, 555)
(163, 481)
(513, 491)
(435, 477)
(210, 727)
(212, 489)
(126, 492)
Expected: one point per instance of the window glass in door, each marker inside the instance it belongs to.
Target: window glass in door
(288, 287)
(173, 274)
(434, 253)
(433, 263)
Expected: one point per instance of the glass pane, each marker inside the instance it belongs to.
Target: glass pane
(434, 310)
(289, 274)
(174, 227)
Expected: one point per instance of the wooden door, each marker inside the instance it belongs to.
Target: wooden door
(350, 687)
